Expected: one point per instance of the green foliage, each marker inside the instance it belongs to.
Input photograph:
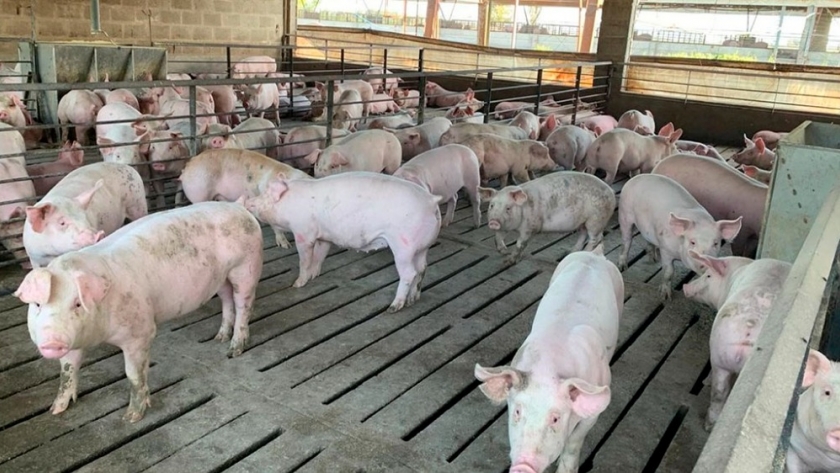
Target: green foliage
(542, 47)
(500, 13)
(715, 56)
(308, 5)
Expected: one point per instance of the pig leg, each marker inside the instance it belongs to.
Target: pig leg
(319, 254)
(626, 239)
(794, 464)
(581, 239)
(420, 265)
(280, 239)
(244, 281)
(81, 134)
(652, 252)
(521, 243)
(68, 383)
(611, 172)
(226, 296)
(305, 250)
(179, 194)
(137, 370)
(158, 186)
(569, 460)
(472, 192)
(503, 180)
(136, 207)
(404, 261)
(668, 273)
(500, 242)
(521, 176)
(721, 385)
(450, 210)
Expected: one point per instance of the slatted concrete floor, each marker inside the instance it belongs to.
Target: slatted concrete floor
(333, 383)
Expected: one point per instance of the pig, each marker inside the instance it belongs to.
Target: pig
(89, 204)
(13, 166)
(80, 108)
(437, 96)
(255, 134)
(149, 97)
(357, 210)
(559, 381)
(253, 66)
(396, 121)
(755, 154)
(168, 154)
(551, 122)
(699, 149)
(202, 95)
(637, 121)
(13, 75)
(383, 103)
(461, 131)
(528, 122)
(771, 138)
(815, 437)
(228, 174)
(564, 201)
(759, 175)
(459, 114)
(421, 138)
(287, 85)
(469, 101)
(261, 98)
(604, 123)
(225, 100)
(443, 172)
(150, 271)
(506, 110)
(567, 145)
(178, 112)
(43, 175)
(110, 135)
(621, 150)
(723, 192)
(122, 95)
(382, 85)
(348, 110)
(362, 87)
(500, 156)
(743, 292)
(369, 150)
(406, 98)
(670, 219)
(178, 76)
(303, 140)
(12, 110)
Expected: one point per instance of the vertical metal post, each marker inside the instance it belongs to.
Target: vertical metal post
(370, 54)
(329, 104)
(779, 33)
(227, 59)
(539, 92)
(291, 63)
(342, 62)
(421, 112)
(577, 94)
(133, 68)
(489, 97)
(384, 62)
(193, 128)
(95, 26)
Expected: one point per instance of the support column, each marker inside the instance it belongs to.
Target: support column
(432, 13)
(807, 35)
(484, 22)
(585, 37)
(819, 38)
(617, 18)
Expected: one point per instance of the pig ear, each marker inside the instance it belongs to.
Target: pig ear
(91, 288)
(759, 144)
(35, 288)
(312, 157)
(519, 196)
(497, 382)
(84, 198)
(486, 193)
(816, 366)
(679, 225)
(718, 266)
(649, 113)
(598, 131)
(277, 187)
(751, 171)
(36, 216)
(339, 159)
(551, 122)
(729, 228)
(667, 129)
(748, 142)
(106, 144)
(701, 149)
(588, 400)
(675, 136)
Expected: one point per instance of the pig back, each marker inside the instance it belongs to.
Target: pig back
(724, 192)
(178, 259)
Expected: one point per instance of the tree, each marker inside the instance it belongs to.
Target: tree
(532, 14)
(500, 13)
(308, 5)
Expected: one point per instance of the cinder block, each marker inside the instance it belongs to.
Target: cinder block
(223, 6)
(231, 20)
(211, 19)
(190, 18)
(221, 34)
(182, 4)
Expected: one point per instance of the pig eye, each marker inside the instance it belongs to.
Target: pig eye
(78, 305)
(554, 420)
(827, 392)
(692, 242)
(37, 305)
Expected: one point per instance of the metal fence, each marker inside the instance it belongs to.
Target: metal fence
(547, 93)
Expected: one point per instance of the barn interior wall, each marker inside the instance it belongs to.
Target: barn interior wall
(127, 21)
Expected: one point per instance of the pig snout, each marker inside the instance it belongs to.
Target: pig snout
(159, 166)
(833, 439)
(88, 237)
(494, 224)
(523, 467)
(689, 291)
(4, 115)
(54, 347)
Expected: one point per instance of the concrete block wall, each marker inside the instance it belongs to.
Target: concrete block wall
(126, 22)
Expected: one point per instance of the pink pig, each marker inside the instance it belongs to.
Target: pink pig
(743, 292)
(370, 150)
(771, 138)
(443, 172)
(621, 150)
(500, 157)
(421, 138)
(12, 166)
(406, 98)
(437, 96)
(528, 122)
(88, 204)
(670, 219)
(461, 131)
(559, 381)
(358, 210)
(70, 157)
(79, 108)
(567, 145)
(150, 271)
(505, 110)
(603, 122)
(755, 154)
(122, 95)
(303, 140)
(465, 114)
(637, 121)
(815, 438)
(253, 66)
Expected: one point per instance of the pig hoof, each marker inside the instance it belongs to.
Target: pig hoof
(222, 336)
(395, 307)
(300, 282)
(665, 291)
(132, 416)
(284, 244)
(510, 260)
(60, 405)
(236, 350)
(708, 425)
